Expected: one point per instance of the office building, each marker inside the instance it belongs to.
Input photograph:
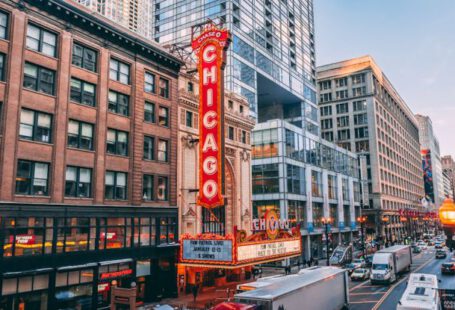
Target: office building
(361, 111)
(448, 189)
(448, 166)
(87, 160)
(431, 162)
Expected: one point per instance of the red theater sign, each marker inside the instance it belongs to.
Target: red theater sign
(210, 47)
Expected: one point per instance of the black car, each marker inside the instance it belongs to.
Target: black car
(441, 254)
(448, 268)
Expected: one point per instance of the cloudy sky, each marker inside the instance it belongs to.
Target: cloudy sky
(413, 41)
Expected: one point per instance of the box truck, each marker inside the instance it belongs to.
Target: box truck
(389, 262)
(321, 288)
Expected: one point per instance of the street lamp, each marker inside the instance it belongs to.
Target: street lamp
(326, 222)
(385, 220)
(362, 220)
(447, 217)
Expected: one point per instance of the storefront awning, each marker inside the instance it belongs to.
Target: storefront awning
(67, 268)
(118, 261)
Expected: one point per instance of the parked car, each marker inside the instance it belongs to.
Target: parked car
(416, 249)
(448, 267)
(441, 254)
(351, 267)
(360, 274)
(422, 245)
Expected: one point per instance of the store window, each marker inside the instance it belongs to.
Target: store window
(41, 40)
(74, 289)
(144, 231)
(75, 234)
(260, 207)
(113, 233)
(84, 57)
(25, 292)
(167, 230)
(32, 178)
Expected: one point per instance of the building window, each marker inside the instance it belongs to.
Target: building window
(361, 132)
(39, 79)
(326, 123)
(359, 91)
(84, 57)
(3, 25)
(164, 88)
(163, 150)
(342, 108)
(265, 179)
(147, 187)
(163, 117)
(149, 112)
(119, 71)
(325, 97)
(80, 135)
(345, 189)
(341, 82)
(341, 94)
(360, 119)
(149, 148)
(149, 82)
(358, 78)
(2, 67)
(324, 85)
(343, 121)
(243, 136)
(327, 136)
(78, 182)
(35, 126)
(119, 103)
(326, 111)
(116, 185)
(231, 133)
(344, 134)
(359, 105)
(332, 182)
(32, 178)
(189, 119)
(295, 179)
(83, 92)
(362, 146)
(117, 142)
(241, 109)
(41, 40)
(316, 184)
(190, 87)
(230, 104)
(163, 188)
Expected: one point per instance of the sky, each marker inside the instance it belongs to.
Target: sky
(412, 41)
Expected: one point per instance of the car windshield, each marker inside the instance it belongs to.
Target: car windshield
(380, 266)
(357, 261)
(361, 271)
(350, 266)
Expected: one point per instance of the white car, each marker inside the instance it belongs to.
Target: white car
(422, 245)
(358, 262)
(360, 274)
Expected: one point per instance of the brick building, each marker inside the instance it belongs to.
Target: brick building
(87, 159)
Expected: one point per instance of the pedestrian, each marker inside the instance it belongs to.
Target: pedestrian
(194, 290)
(304, 262)
(316, 262)
(228, 292)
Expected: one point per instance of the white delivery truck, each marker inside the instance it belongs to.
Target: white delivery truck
(421, 293)
(321, 288)
(389, 262)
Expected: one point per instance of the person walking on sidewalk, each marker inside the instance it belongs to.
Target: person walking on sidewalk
(195, 290)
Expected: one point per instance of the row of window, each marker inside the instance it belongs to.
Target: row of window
(25, 236)
(37, 126)
(343, 121)
(357, 106)
(32, 178)
(342, 82)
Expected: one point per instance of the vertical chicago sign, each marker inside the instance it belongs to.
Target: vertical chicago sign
(210, 48)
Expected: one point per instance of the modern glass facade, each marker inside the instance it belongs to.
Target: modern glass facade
(304, 178)
(271, 60)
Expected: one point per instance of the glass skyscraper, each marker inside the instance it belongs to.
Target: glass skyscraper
(271, 61)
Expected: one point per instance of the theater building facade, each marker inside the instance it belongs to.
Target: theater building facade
(88, 160)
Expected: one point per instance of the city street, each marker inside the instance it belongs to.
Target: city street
(365, 296)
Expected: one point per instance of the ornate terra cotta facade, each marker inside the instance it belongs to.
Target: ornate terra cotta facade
(238, 127)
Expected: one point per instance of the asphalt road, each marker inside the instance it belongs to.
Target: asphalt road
(364, 296)
(433, 267)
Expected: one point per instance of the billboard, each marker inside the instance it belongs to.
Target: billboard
(427, 175)
(210, 47)
(207, 250)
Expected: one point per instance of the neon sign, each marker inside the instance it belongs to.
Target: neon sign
(210, 47)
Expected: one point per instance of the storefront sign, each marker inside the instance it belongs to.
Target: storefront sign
(116, 274)
(103, 287)
(262, 251)
(23, 239)
(271, 223)
(207, 250)
(210, 47)
(447, 299)
(108, 236)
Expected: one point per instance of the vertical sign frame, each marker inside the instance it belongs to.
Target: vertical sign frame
(210, 48)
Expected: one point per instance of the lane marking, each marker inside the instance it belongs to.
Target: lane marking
(396, 284)
(358, 285)
(363, 302)
(368, 293)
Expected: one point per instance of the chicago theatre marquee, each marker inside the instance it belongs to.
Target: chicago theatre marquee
(220, 241)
